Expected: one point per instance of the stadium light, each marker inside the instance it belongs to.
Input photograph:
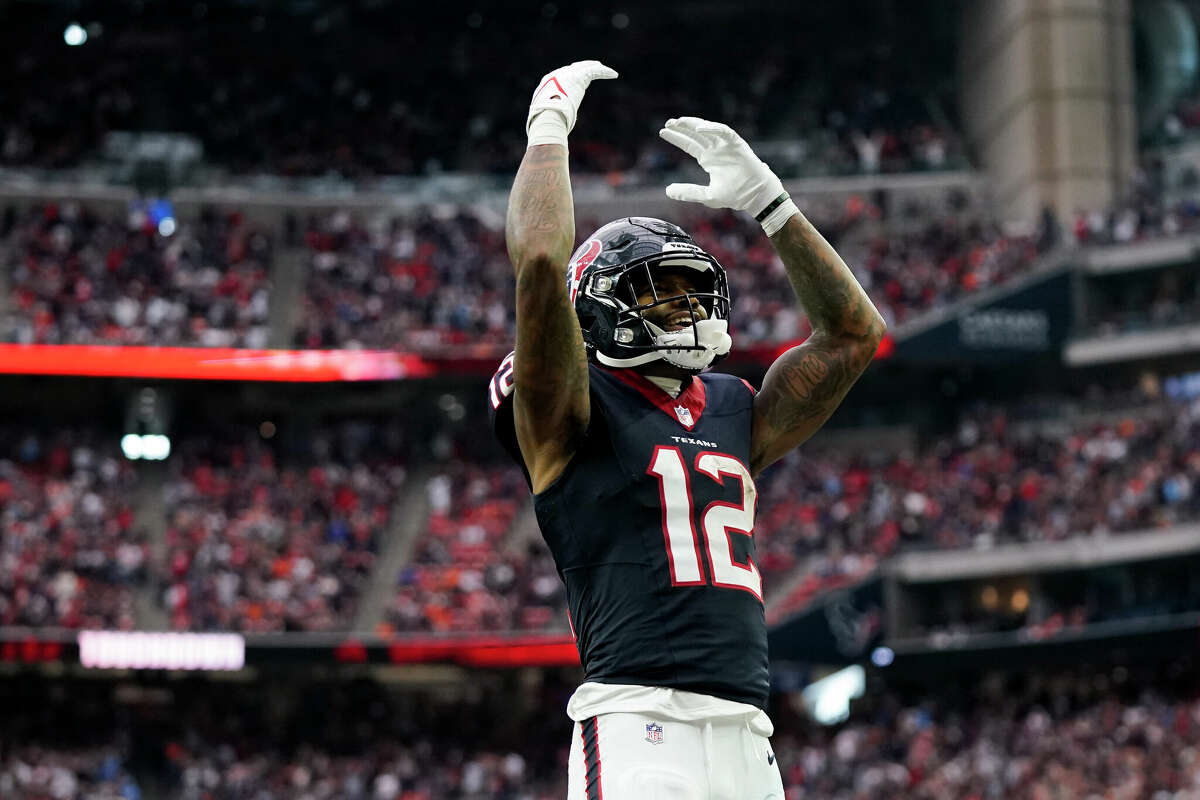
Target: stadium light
(74, 35)
(150, 447)
(131, 446)
(882, 656)
(166, 226)
(828, 700)
(177, 651)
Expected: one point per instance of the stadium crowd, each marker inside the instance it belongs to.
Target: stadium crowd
(438, 281)
(419, 284)
(1122, 733)
(351, 740)
(906, 271)
(326, 96)
(71, 554)
(54, 772)
(1069, 736)
(258, 542)
(79, 276)
(1142, 302)
(1056, 604)
(1144, 211)
(836, 513)
(994, 480)
(433, 283)
(465, 575)
(260, 539)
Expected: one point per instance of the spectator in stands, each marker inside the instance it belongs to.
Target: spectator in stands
(258, 546)
(78, 277)
(324, 99)
(1126, 732)
(443, 284)
(70, 554)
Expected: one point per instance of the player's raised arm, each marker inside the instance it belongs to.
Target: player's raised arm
(551, 404)
(805, 384)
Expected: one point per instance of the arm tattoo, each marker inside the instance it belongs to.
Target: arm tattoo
(805, 385)
(825, 286)
(540, 213)
(550, 367)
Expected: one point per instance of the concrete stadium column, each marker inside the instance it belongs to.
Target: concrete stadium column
(1047, 94)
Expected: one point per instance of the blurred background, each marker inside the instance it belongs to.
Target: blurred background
(256, 540)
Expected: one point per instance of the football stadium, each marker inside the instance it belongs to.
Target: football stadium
(339, 459)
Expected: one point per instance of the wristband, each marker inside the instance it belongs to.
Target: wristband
(773, 217)
(548, 126)
(771, 206)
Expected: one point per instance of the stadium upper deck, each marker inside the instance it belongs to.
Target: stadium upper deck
(362, 89)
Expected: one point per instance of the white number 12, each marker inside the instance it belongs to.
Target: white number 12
(719, 520)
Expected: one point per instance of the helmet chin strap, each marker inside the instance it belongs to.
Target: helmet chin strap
(712, 335)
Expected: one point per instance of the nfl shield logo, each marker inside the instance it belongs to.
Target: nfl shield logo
(654, 733)
(684, 414)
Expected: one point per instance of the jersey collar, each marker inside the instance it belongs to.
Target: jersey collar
(684, 409)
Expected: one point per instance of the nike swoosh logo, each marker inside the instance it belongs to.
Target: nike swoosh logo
(770, 758)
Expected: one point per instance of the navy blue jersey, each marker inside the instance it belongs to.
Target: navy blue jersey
(651, 528)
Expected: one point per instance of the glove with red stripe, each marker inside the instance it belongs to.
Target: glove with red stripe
(556, 101)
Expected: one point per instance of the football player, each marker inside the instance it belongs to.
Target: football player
(642, 465)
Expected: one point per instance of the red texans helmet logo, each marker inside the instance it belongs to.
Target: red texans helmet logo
(587, 254)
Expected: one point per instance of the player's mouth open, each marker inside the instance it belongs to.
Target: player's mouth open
(679, 322)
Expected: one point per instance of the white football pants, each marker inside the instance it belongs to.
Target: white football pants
(639, 757)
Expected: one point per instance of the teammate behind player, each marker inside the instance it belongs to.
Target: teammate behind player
(643, 469)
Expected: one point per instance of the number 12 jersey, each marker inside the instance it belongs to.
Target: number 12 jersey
(651, 528)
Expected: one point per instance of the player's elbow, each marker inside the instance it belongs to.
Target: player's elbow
(871, 330)
(874, 336)
(536, 272)
(877, 329)
(540, 290)
(866, 334)
(860, 346)
(539, 252)
(537, 262)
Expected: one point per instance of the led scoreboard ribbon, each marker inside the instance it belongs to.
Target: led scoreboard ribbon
(96, 649)
(211, 363)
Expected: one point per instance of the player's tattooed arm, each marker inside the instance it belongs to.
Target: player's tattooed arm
(551, 404)
(805, 384)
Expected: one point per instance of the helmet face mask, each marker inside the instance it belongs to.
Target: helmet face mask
(611, 281)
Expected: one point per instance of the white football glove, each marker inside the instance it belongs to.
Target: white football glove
(561, 90)
(738, 179)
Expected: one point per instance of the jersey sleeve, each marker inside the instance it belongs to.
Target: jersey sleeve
(500, 412)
